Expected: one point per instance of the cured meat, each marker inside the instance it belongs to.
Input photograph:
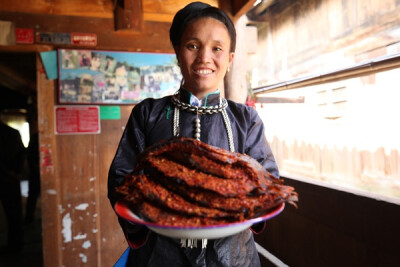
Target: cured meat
(156, 193)
(195, 178)
(192, 151)
(156, 214)
(249, 206)
(185, 182)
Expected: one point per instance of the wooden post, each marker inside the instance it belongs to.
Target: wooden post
(236, 84)
(128, 15)
(50, 185)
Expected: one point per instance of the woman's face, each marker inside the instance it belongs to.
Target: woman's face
(204, 55)
(95, 63)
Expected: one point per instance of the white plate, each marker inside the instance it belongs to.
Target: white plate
(189, 232)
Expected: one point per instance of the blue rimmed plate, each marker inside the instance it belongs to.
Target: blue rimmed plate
(190, 232)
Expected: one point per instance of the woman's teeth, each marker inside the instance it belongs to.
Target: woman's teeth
(204, 71)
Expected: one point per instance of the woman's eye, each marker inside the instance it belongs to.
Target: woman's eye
(192, 46)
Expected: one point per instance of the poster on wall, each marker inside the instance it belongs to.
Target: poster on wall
(105, 77)
(77, 119)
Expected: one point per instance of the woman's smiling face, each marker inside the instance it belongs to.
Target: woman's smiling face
(204, 55)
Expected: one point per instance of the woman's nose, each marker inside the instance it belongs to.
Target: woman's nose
(204, 55)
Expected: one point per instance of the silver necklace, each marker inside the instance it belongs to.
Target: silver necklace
(201, 111)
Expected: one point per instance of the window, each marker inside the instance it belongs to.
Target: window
(344, 134)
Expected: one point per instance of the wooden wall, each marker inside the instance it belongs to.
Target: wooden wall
(79, 226)
(305, 37)
(333, 228)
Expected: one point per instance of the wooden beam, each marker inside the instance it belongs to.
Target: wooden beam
(128, 15)
(380, 64)
(87, 8)
(158, 17)
(153, 38)
(241, 7)
(12, 79)
(259, 14)
(26, 48)
(268, 99)
(165, 10)
(51, 221)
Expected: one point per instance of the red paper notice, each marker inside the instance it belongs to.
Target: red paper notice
(24, 36)
(77, 119)
(84, 39)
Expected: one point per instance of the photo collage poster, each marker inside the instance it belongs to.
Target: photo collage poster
(102, 77)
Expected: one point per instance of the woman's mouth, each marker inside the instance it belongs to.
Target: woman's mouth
(204, 71)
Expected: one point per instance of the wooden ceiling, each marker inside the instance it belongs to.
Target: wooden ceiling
(147, 10)
(153, 10)
(122, 25)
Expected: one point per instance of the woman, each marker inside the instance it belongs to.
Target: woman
(204, 40)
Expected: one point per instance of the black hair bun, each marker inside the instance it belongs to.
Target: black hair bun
(176, 29)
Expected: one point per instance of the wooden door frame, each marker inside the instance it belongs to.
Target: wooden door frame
(51, 224)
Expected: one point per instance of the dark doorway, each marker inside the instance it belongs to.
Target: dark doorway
(18, 108)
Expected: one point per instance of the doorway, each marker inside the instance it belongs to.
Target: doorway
(18, 109)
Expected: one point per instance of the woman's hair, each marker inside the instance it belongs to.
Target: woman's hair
(197, 10)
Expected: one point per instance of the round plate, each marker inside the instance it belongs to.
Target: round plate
(190, 232)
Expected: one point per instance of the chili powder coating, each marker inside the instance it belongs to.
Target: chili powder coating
(185, 182)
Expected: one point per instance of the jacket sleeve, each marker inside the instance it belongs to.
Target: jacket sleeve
(131, 144)
(257, 147)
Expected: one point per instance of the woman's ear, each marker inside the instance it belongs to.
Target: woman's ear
(231, 56)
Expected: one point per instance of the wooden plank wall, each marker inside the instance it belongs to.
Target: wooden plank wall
(333, 228)
(330, 227)
(307, 38)
(110, 233)
(50, 198)
(300, 38)
(79, 226)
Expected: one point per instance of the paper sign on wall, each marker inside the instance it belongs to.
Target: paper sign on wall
(110, 112)
(24, 36)
(84, 39)
(49, 60)
(77, 119)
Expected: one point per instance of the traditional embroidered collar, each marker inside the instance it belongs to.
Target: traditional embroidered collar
(211, 99)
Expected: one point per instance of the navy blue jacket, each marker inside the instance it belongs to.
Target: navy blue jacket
(152, 121)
